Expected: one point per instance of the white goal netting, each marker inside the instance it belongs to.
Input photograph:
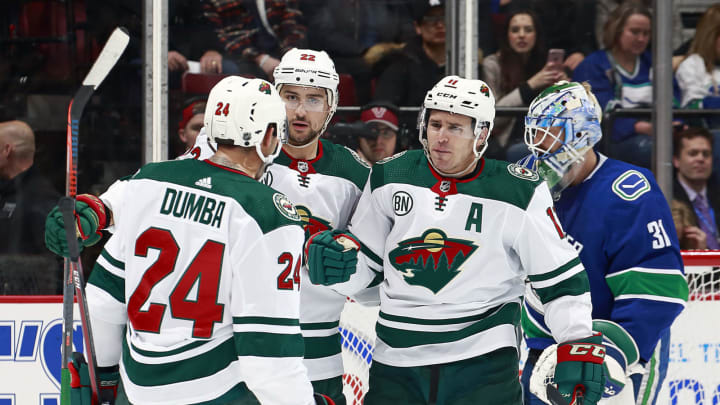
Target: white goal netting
(694, 369)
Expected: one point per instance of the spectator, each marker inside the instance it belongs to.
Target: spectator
(620, 77)
(26, 197)
(603, 8)
(517, 73)
(191, 36)
(382, 141)
(568, 25)
(420, 64)
(698, 75)
(692, 158)
(356, 34)
(191, 123)
(257, 38)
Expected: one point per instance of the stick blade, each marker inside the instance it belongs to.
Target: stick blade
(110, 54)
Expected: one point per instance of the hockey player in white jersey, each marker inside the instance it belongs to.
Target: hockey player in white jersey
(196, 294)
(453, 236)
(322, 179)
(617, 218)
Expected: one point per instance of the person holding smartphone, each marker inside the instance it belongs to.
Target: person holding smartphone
(517, 73)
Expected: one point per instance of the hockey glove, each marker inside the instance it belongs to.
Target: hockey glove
(579, 371)
(321, 399)
(621, 356)
(90, 220)
(81, 391)
(331, 257)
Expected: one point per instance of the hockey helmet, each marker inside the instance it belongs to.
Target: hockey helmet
(309, 68)
(562, 123)
(239, 111)
(456, 95)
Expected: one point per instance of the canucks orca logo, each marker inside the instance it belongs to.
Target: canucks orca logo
(312, 224)
(432, 260)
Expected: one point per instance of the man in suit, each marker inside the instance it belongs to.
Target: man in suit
(694, 193)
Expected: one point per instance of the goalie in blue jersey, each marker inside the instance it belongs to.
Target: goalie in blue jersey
(618, 220)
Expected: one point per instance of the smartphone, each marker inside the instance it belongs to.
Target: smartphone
(556, 57)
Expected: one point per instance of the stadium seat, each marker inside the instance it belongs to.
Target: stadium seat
(346, 88)
(199, 83)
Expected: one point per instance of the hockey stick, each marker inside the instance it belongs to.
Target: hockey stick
(67, 208)
(110, 54)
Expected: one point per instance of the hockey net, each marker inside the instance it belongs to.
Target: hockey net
(357, 328)
(693, 375)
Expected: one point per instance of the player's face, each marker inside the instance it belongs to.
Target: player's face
(521, 33)
(432, 27)
(307, 108)
(381, 146)
(450, 141)
(192, 129)
(695, 160)
(635, 35)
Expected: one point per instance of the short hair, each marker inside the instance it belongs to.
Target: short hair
(706, 33)
(616, 21)
(690, 133)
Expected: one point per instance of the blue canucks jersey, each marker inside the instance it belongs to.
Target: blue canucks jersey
(620, 223)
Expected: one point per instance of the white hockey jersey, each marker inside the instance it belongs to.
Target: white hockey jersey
(325, 192)
(454, 256)
(204, 269)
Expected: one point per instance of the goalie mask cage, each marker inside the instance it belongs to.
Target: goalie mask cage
(693, 375)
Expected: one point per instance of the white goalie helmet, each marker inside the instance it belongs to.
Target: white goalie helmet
(239, 111)
(456, 95)
(309, 68)
(562, 123)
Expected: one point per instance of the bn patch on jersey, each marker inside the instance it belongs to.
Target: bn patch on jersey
(286, 208)
(631, 185)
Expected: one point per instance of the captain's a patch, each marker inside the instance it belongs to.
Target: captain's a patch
(522, 172)
(631, 185)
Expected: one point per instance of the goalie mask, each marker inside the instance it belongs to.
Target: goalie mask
(309, 68)
(562, 124)
(472, 98)
(240, 110)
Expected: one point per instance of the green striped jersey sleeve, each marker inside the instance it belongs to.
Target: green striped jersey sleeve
(568, 279)
(108, 274)
(667, 285)
(267, 337)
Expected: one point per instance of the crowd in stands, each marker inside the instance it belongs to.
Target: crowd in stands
(388, 54)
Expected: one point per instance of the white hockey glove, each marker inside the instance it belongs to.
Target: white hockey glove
(621, 357)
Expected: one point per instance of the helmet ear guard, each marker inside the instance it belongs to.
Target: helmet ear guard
(309, 68)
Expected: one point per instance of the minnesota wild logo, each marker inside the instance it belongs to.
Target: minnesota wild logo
(432, 260)
(312, 224)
